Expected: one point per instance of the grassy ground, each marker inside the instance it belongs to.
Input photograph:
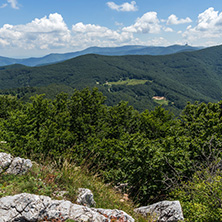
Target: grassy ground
(161, 102)
(48, 180)
(129, 82)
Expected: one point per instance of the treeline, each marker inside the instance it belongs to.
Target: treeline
(153, 152)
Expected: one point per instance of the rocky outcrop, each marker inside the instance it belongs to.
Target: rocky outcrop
(85, 197)
(5, 161)
(13, 165)
(114, 215)
(164, 211)
(32, 208)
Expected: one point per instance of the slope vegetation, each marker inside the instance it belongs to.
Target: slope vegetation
(182, 77)
(155, 156)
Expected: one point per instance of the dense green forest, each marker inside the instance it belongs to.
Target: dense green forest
(157, 155)
(187, 76)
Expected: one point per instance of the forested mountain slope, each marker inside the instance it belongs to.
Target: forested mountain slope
(178, 78)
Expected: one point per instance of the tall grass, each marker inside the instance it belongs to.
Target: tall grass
(47, 178)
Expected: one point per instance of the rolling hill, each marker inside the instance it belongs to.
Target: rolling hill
(177, 78)
(124, 50)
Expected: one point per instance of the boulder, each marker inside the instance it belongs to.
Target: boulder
(15, 165)
(5, 161)
(164, 211)
(32, 208)
(19, 166)
(85, 197)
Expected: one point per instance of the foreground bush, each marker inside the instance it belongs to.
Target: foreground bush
(150, 151)
(201, 198)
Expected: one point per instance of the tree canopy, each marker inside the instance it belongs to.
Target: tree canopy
(151, 151)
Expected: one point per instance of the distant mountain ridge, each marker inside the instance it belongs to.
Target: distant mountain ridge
(110, 51)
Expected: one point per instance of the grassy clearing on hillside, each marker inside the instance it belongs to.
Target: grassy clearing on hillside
(129, 82)
(49, 180)
(161, 102)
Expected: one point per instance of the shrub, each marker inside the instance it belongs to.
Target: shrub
(201, 198)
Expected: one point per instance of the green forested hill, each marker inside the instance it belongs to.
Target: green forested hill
(181, 77)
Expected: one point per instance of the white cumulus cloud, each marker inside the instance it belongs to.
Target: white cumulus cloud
(50, 32)
(54, 23)
(91, 34)
(173, 20)
(167, 29)
(209, 26)
(125, 7)
(148, 23)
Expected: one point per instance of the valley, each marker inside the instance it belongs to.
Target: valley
(182, 77)
(150, 122)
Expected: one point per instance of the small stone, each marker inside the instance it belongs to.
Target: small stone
(126, 196)
(85, 197)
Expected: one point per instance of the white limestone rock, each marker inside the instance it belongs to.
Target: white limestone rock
(5, 161)
(15, 165)
(115, 214)
(32, 208)
(85, 197)
(164, 211)
(19, 166)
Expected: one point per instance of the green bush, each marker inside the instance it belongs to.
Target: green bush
(151, 151)
(201, 198)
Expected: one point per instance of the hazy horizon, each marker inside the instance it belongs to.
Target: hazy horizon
(38, 28)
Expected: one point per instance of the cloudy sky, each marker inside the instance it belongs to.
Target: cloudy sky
(36, 28)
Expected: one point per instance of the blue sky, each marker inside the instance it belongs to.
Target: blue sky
(36, 28)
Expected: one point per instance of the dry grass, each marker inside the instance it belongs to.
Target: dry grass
(49, 180)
